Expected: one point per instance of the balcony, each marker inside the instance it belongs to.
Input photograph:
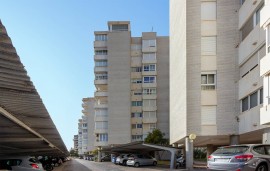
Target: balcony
(100, 131)
(149, 96)
(251, 43)
(100, 57)
(136, 98)
(100, 143)
(149, 73)
(264, 65)
(101, 118)
(149, 108)
(149, 61)
(265, 15)
(137, 131)
(251, 82)
(100, 69)
(101, 82)
(136, 86)
(136, 108)
(149, 49)
(265, 114)
(101, 44)
(149, 120)
(101, 105)
(149, 85)
(250, 120)
(246, 10)
(101, 94)
(84, 111)
(136, 75)
(136, 120)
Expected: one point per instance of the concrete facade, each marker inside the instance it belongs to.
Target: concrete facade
(132, 87)
(215, 84)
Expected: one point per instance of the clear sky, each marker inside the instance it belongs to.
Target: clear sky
(54, 39)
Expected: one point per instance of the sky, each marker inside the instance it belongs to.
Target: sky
(54, 40)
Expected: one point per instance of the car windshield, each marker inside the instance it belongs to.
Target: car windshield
(231, 150)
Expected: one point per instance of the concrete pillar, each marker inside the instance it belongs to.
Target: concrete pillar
(266, 136)
(99, 154)
(189, 153)
(209, 149)
(234, 139)
(175, 145)
(173, 161)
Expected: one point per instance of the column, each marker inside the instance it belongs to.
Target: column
(209, 149)
(189, 153)
(266, 136)
(234, 139)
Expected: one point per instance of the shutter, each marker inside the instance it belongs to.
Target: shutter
(208, 115)
(208, 11)
(208, 45)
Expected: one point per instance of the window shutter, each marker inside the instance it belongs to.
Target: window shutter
(208, 115)
(208, 45)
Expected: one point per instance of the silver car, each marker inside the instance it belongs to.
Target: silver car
(140, 160)
(122, 159)
(20, 163)
(251, 157)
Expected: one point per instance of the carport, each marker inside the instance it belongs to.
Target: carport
(26, 127)
(141, 147)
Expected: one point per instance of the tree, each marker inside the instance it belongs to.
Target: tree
(156, 137)
(73, 153)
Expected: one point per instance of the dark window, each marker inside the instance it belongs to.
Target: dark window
(259, 149)
(261, 95)
(253, 100)
(247, 28)
(245, 104)
(231, 150)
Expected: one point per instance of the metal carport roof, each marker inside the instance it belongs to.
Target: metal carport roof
(26, 127)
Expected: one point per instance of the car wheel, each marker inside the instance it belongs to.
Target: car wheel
(154, 163)
(262, 167)
(137, 164)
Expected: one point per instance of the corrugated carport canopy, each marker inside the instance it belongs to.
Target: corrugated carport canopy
(26, 127)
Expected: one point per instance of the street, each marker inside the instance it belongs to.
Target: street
(84, 165)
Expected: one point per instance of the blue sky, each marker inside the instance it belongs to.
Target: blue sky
(54, 40)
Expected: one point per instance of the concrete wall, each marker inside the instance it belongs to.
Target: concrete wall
(163, 85)
(178, 71)
(119, 127)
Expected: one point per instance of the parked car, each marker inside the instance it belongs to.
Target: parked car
(122, 159)
(251, 157)
(20, 163)
(140, 160)
(105, 158)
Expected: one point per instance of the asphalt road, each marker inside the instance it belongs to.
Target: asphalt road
(84, 165)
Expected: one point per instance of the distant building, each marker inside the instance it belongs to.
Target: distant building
(132, 84)
(75, 140)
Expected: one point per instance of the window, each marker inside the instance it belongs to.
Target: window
(101, 125)
(245, 104)
(149, 114)
(120, 27)
(84, 125)
(149, 91)
(261, 96)
(247, 28)
(149, 79)
(136, 103)
(136, 115)
(101, 112)
(136, 47)
(209, 45)
(103, 137)
(101, 52)
(268, 38)
(136, 137)
(149, 102)
(150, 67)
(136, 81)
(136, 126)
(137, 92)
(253, 100)
(101, 63)
(101, 76)
(152, 126)
(259, 149)
(101, 37)
(208, 82)
(149, 56)
(149, 43)
(258, 15)
(136, 69)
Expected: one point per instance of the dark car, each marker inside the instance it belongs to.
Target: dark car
(250, 157)
(105, 158)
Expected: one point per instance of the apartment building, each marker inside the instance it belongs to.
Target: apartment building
(75, 142)
(132, 84)
(217, 58)
(86, 137)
